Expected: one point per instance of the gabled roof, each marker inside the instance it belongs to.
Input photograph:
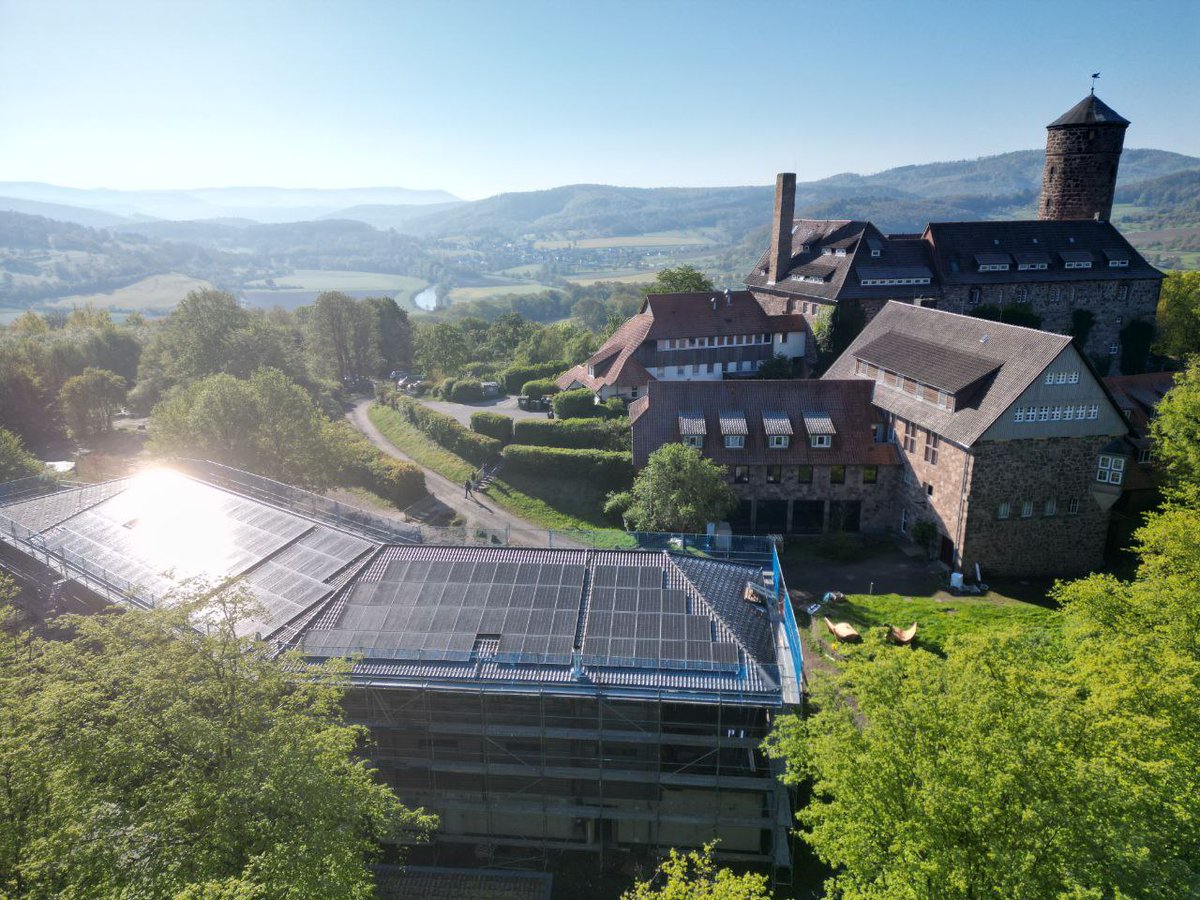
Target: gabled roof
(845, 407)
(1016, 355)
(927, 361)
(705, 314)
(613, 364)
(957, 245)
(1138, 396)
(1091, 110)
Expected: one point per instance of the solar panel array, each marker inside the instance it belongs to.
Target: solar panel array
(635, 621)
(443, 610)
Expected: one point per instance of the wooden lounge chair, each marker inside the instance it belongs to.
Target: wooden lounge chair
(903, 636)
(843, 631)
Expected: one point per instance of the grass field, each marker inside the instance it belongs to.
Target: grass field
(155, 292)
(551, 503)
(488, 291)
(623, 276)
(326, 280)
(657, 239)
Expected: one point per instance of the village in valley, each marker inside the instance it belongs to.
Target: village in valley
(871, 572)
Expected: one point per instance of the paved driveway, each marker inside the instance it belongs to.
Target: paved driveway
(462, 411)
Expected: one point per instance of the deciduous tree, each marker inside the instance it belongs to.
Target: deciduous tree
(677, 490)
(694, 876)
(144, 758)
(15, 461)
(89, 401)
(680, 279)
(1179, 315)
(1176, 431)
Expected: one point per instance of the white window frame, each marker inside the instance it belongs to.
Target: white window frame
(694, 440)
(1043, 413)
(820, 441)
(1073, 506)
(778, 441)
(1050, 508)
(1026, 509)
(1074, 378)
(1145, 455)
(1114, 348)
(735, 441)
(1003, 511)
(1093, 411)
(1110, 469)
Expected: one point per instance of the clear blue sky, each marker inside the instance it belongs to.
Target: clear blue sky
(478, 98)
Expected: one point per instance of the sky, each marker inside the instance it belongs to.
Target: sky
(478, 98)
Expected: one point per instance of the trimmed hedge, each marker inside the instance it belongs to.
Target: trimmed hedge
(446, 431)
(403, 483)
(446, 387)
(577, 404)
(576, 434)
(605, 469)
(493, 425)
(514, 378)
(468, 390)
(540, 387)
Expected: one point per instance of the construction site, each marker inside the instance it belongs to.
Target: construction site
(546, 703)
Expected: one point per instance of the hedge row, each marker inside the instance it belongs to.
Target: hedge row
(577, 404)
(514, 378)
(466, 390)
(576, 434)
(363, 465)
(493, 425)
(605, 469)
(539, 387)
(446, 431)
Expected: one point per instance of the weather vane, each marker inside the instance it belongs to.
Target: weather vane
(1095, 75)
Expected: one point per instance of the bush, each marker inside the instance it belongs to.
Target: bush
(577, 404)
(513, 378)
(493, 425)
(468, 390)
(616, 407)
(446, 431)
(578, 434)
(541, 387)
(402, 483)
(604, 469)
(446, 388)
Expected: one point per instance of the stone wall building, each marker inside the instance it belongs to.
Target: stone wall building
(802, 456)
(1010, 443)
(1070, 267)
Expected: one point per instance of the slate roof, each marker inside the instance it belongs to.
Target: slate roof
(732, 421)
(692, 422)
(956, 245)
(1019, 356)
(847, 403)
(1138, 396)
(928, 361)
(1091, 110)
(613, 363)
(776, 421)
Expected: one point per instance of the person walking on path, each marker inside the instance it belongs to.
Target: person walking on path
(467, 488)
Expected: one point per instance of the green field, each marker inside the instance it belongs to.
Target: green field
(155, 292)
(657, 239)
(488, 291)
(325, 280)
(623, 276)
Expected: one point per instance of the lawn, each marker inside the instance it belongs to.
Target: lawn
(551, 503)
(623, 276)
(300, 287)
(939, 618)
(489, 291)
(155, 292)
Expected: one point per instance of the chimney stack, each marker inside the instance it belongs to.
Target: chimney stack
(781, 234)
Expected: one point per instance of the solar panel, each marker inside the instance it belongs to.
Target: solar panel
(506, 573)
(604, 576)
(628, 576)
(625, 600)
(650, 577)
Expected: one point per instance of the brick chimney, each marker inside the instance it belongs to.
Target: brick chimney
(781, 234)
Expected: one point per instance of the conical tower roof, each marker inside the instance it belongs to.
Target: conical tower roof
(1091, 110)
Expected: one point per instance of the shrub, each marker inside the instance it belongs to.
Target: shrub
(513, 378)
(605, 469)
(541, 387)
(468, 390)
(446, 388)
(577, 404)
(446, 431)
(616, 407)
(578, 434)
(403, 483)
(493, 425)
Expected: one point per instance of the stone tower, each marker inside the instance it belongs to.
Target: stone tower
(1083, 149)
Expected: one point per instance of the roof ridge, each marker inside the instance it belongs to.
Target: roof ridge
(1063, 338)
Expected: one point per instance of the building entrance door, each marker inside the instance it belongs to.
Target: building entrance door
(946, 553)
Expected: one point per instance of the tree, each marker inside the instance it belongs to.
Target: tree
(776, 367)
(88, 316)
(331, 332)
(678, 490)
(394, 333)
(441, 349)
(265, 424)
(89, 401)
(835, 329)
(694, 876)
(681, 279)
(145, 758)
(1179, 315)
(1010, 768)
(1176, 430)
(15, 461)
(29, 322)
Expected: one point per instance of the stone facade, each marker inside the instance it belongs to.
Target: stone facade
(1056, 542)
(1080, 175)
(931, 486)
(776, 507)
(1113, 303)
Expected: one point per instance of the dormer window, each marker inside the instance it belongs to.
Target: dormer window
(1118, 263)
(840, 251)
(694, 440)
(826, 251)
(820, 441)
(735, 441)
(778, 441)
(875, 254)
(1078, 264)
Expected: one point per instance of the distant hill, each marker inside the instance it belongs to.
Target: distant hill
(263, 204)
(1165, 202)
(92, 218)
(384, 216)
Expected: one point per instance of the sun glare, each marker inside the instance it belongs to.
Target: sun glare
(179, 526)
